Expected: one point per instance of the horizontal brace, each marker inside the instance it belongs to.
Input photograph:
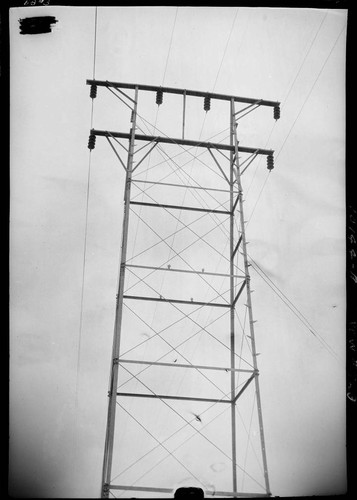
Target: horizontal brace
(239, 292)
(180, 365)
(183, 142)
(195, 93)
(178, 207)
(171, 491)
(186, 186)
(179, 398)
(236, 247)
(176, 301)
(185, 271)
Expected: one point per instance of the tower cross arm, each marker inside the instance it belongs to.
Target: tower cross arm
(171, 90)
(182, 142)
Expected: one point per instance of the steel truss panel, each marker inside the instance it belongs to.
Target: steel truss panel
(237, 240)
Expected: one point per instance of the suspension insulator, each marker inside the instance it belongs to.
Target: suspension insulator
(159, 95)
(277, 112)
(91, 141)
(270, 162)
(93, 91)
(207, 103)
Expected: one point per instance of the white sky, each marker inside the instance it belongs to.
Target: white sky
(296, 231)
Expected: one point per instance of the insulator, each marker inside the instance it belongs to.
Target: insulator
(93, 91)
(270, 162)
(91, 141)
(207, 103)
(277, 112)
(159, 95)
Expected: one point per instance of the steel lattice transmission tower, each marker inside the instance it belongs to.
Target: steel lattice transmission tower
(184, 393)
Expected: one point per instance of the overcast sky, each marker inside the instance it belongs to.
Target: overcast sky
(296, 229)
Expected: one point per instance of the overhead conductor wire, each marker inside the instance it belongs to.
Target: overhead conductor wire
(85, 237)
(303, 105)
(284, 103)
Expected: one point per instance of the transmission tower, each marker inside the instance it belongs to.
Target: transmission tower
(184, 405)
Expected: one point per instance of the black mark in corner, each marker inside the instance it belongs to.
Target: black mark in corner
(36, 25)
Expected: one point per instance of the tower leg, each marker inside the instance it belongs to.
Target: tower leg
(109, 438)
(249, 303)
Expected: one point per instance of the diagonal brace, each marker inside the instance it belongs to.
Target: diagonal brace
(244, 387)
(235, 203)
(237, 246)
(116, 153)
(239, 292)
(218, 165)
(143, 158)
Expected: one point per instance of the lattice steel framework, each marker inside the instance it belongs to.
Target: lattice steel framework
(224, 350)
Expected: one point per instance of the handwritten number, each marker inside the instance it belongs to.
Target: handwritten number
(34, 2)
(351, 398)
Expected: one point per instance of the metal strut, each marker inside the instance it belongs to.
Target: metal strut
(243, 242)
(195, 93)
(183, 142)
(109, 438)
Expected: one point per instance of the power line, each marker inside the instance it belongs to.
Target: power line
(284, 100)
(225, 50)
(84, 260)
(259, 196)
(85, 225)
(170, 44)
(305, 57)
(291, 306)
(311, 89)
(301, 109)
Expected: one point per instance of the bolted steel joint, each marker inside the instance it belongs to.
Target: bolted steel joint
(105, 490)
